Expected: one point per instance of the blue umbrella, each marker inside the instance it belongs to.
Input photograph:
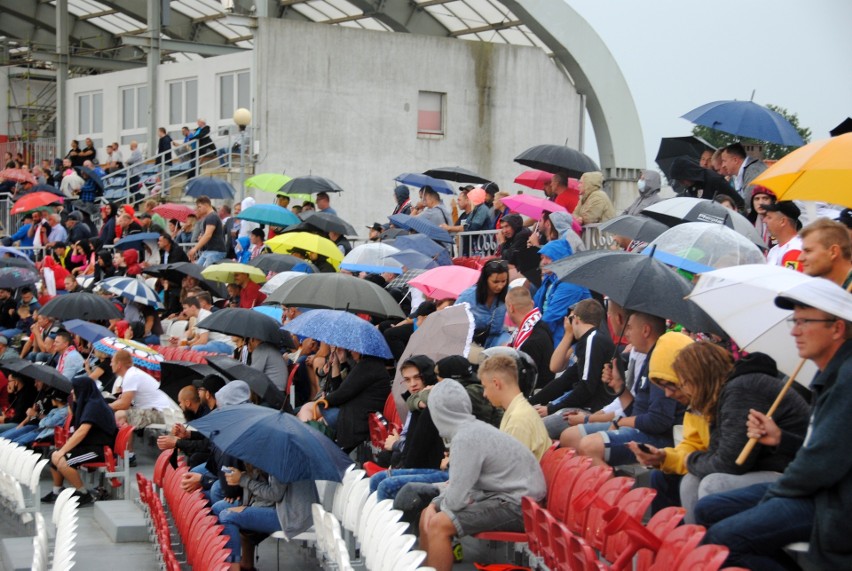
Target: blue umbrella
(133, 240)
(131, 290)
(341, 329)
(422, 226)
(270, 214)
(91, 332)
(746, 119)
(209, 187)
(275, 442)
(421, 180)
(424, 245)
(13, 252)
(413, 260)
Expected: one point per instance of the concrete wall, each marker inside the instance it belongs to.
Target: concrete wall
(342, 103)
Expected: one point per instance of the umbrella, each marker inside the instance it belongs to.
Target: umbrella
(534, 179)
(82, 305)
(133, 240)
(699, 247)
(91, 332)
(310, 184)
(422, 226)
(819, 171)
(143, 356)
(244, 323)
(329, 223)
(305, 241)
(392, 233)
(531, 206)
(682, 209)
(270, 214)
(209, 187)
(411, 259)
(174, 211)
(132, 290)
(175, 375)
(402, 280)
(557, 158)
(33, 201)
(421, 180)
(259, 383)
(224, 272)
(341, 329)
(456, 174)
(15, 277)
(424, 245)
(845, 126)
(674, 147)
(176, 271)
(268, 181)
(746, 119)
(47, 188)
(273, 311)
(637, 283)
(13, 252)
(373, 258)
(278, 280)
(93, 176)
(639, 228)
(18, 175)
(443, 333)
(337, 291)
(88, 207)
(276, 442)
(17, 262)
(445, 282)
(282, 263)
(38, 372)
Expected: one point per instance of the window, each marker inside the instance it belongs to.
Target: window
(134, 113)
(234, 92)
(183, 101)
(90, 111)
(430, 113)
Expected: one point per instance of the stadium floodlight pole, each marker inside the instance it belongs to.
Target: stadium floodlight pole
(242, 117)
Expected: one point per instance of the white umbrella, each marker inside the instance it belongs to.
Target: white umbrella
(373, 258)
(699, 247)
(278, 280)
(682, 209)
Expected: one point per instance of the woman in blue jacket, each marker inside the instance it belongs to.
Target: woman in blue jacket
(487, 300)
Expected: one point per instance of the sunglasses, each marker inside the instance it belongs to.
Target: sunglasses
(500, 264)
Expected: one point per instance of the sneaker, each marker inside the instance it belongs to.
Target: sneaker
(49, 498)
(458, 552)
(83, 499)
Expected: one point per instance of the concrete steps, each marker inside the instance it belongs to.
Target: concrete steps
(121, 520)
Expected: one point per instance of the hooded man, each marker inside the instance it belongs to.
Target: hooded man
(702, 183)
(595, 205)
(649, 192)
(515, 249)
(403, 203)
(563, 223)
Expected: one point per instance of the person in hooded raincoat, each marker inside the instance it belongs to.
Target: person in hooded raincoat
(554, 298)
(649, 192)
(595, 205)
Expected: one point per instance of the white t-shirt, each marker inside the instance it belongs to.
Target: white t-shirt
(148, 394)
(212, 335)
(786, 255)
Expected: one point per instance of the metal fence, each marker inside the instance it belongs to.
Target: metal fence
(34, 152)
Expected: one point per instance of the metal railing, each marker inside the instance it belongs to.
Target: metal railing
(34, 152)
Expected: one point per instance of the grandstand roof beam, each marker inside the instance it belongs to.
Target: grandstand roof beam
(181, 46)
(41, 15)
(87, 61)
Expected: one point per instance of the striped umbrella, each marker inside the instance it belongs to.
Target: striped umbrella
(131, 289)
(143, 356)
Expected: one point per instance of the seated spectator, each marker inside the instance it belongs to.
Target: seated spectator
(7, 352)
(70, 361)
(21, 396)
(555, 297)
(201, 339)
(459, 369)
(487, 302)
(99, 368)
(39, 347)
(43, 430)
(266, 357)
(192, 443)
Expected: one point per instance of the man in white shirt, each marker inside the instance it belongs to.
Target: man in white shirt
(782, 221)
(140, 395)
(202, 339)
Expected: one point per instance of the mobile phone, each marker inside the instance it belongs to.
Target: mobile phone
(644, 448)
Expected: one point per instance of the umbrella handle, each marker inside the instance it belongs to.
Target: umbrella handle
(752, 442)
(317, 412)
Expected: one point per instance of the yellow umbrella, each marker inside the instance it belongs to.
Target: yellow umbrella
(820, 171)
(306, 241)
(224, 272)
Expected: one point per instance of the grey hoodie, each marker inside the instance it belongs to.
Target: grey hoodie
(649, 195)
(485, 463)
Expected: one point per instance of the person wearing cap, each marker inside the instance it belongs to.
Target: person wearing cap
(759, 199)
(827, 251)
(403, 202)
(845, 218)
(782, 221)
(77, 230)
(376, 230)
(812, 499)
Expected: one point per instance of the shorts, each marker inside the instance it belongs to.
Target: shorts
(83, 454)
(493, 514)
(616, 452)
(142, 417)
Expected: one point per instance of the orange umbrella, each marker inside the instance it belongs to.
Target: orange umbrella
(34, 200)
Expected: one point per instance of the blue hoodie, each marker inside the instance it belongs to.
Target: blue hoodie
(555, 298)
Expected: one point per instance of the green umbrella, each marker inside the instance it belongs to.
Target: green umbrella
(268, 181)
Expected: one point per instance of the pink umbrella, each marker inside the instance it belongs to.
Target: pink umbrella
(170, 210)
(445, 282)
(531, 206)
(534, 179)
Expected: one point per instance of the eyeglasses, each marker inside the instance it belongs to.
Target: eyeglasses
(801, 321)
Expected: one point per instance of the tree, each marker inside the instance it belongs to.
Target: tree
(771, 151)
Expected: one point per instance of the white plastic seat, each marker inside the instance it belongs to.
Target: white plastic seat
(342, 493)
(383, 534)
(392, 551)
(355, 503)
(408, 561)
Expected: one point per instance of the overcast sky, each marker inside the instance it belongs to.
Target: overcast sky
(679, 54)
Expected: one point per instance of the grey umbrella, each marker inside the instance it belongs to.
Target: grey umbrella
(336, 291)
(245, 323)
(280, 263)
(82, 305)
(636, 227)
(38, 372)
(258, 382)
(329, 223)
(310, 184)
(557, 158)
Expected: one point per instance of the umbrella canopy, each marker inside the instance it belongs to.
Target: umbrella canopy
(276, 442)
(534, 179)
(445, 282)
(244, 323)
(699, 247)
(413, 260)
(91, 332)
(637, 283)
(373, 258)
(259, 383)
(424, 245)
(38, 372)
(133, 240)
(341, 329)
(277, 281)
(741, 300)
(93, 176)
(47, 188)
(6, 251)
(35, 200)
(403, 279)
(639, 228)
(174, 211)
(17, 262)
(83, 305)
(18, 175)
(682, 209)
(224, 272)
(819, 171)
(557, 158)
(456, 174)
(270, 214)
(421, 180)
(132, 290)
(337, 291)
(209, 187)
(15, 277)
(422, 226)
(746, 119)
(176, 271)
(845, 126)
(175, 375)
(282, 263)
(674, 147)
(531, 206)
(310, 184)
(284, 243)
(143, 356)
(268, 181)
(329, 223)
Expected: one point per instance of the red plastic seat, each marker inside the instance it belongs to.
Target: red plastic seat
(160, 467)
(560, 490)
(604, 498)
(552, 460)
(647, 538)
(705, 558)
(591, 479)
(676, 546)
(571, 552)
(544, 521)
(619, 549)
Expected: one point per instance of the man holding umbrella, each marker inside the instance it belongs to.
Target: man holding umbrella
(741, 168)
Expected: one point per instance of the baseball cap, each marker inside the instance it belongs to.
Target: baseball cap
(818, 293)
(786, 207)
(211, 383)
(75, 216)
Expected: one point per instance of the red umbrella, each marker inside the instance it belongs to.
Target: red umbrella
(34, 200)
(534, 179)
(175, 211)
(531, 206)
(18, 175)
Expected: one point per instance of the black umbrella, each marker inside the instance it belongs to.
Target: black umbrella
(258, 382)
(14, 277)
(456, 174)
(95, 177)
(636, 227)
(176, 271)
(844, 127)
(87, 207)
(310, 184)
(38, 372)
(280, 263)
(45, 188)
(82, 305)
(557, 158)
(246, 323)
(674, 147)
(336, 291)
(175, 375)
(329, 223)
(643, 284)
(16, 262)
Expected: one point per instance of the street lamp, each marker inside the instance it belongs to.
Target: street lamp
(242, 117)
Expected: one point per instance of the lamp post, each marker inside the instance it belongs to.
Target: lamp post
(242, 117)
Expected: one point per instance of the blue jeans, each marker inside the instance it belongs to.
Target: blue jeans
(13, 434)
(616, 452)
(214, 494)
(207, 258)
(214, 347)
(4, 428)
(9, 333)
(755, 532)
(262, 520)
(390, 482)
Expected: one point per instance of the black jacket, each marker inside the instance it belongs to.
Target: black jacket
(364, 390)
(424, 447)
(539, 346)
(707, 181)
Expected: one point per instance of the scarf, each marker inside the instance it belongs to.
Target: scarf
(61, 365)
(401, 206)
(526, 328)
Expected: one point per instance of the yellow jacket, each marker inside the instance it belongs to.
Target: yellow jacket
(696, 436)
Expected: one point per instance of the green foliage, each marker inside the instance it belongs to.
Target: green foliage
(771, 151)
